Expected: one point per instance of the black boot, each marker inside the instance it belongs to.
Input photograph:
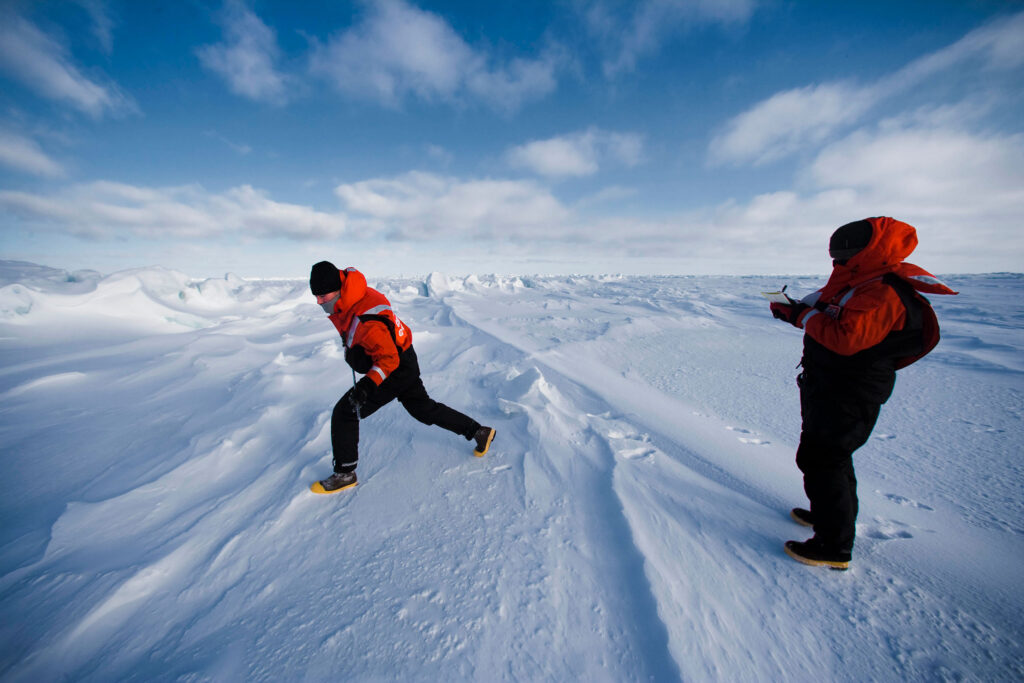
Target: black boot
(339, 481)
(802, 517)
(814, 553)
(483, 437)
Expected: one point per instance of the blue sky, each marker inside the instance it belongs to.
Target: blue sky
(584, 136)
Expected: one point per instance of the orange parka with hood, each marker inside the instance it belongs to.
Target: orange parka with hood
(852, 320)
(373, 335)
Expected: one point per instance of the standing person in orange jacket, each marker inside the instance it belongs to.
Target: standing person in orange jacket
(867, 322)
(378, 346)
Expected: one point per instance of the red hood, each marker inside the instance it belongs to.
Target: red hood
(353, 289)
(891, 242)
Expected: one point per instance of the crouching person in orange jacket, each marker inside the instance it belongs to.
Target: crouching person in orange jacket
(867, 322)
(378, 346)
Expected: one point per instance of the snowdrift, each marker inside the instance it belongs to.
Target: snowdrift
(159, 435)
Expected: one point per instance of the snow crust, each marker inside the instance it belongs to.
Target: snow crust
(159, 435)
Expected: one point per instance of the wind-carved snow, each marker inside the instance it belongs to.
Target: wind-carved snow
(160, 434)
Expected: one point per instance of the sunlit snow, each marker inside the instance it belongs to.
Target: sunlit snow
(159, 436)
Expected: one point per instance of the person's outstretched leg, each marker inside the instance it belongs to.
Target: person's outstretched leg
(414, 398)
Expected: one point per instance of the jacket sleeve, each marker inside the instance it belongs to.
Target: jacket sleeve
(375, 338)
(865, 320)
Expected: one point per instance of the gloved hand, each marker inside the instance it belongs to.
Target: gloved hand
(360, 393)
(789, 312)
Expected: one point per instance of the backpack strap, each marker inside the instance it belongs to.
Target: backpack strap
(370, 317)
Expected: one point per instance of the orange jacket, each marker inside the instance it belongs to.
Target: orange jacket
(364, 319)
(856, 310)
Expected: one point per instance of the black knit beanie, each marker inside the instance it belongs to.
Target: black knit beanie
(849, 240)
(324, 278)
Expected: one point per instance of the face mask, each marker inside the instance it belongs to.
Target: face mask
(328, 306)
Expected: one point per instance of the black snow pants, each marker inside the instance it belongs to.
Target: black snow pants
(405, 385)
(835, 424)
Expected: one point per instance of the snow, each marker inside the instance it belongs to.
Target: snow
(159, 435)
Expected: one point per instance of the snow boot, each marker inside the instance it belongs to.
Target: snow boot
(814, 553)
(339, 481)
(483, 437)
(802, 517)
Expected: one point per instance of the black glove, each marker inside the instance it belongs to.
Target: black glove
(788, 312)
(358, 359)
(360, 393)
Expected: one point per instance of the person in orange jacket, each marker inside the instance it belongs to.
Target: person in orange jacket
(868, 321)
(378, 345)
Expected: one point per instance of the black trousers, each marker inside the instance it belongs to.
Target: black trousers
(405, 385)
(835, 424)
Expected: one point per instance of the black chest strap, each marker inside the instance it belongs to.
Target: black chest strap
(387, 323)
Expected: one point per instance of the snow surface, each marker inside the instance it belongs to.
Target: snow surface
(159, 435)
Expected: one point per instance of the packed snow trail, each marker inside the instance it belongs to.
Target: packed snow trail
(160, 435)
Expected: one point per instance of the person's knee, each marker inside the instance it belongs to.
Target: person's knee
(422, 411)
(424, 416)
(816, 454)
(344, 411)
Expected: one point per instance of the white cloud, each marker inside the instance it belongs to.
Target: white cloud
(804, 117)
(24, 154)
(788, 121)
(248, 56)
(414, 206)
(43, 65)
(398, 51)
(577, 154)
(508, 87)
(420, 205)
(563, 156)
(999, 45)
(102, 24)
(963, 191)
(105, 210)
(941, 173)
(626, 32)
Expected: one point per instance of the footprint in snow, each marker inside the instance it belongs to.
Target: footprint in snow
(748, 439)
(637, 453)
(887, 530)
(904, 501)
(980, 427)
(486, 470)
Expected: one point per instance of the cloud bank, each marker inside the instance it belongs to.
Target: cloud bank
(108, 210)
(798, 118)
(24, 154)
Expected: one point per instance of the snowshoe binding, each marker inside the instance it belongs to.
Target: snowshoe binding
(339, 481)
